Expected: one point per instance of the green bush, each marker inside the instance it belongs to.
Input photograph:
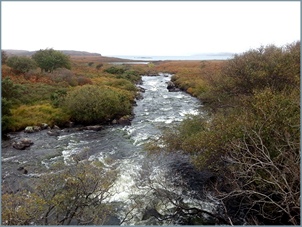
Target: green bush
(49, 60)
(276, 68)
(115, 70)
(6, 113)
(122, 84)
(93, 104)
(10, 90)
(21, 64)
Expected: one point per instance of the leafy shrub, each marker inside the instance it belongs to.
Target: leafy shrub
(131, 75)
(83, 185)
(270, 67)
(94, 104)
(57, 98)
(6, 106)
(49, 60)
(21, 64)
(10, 90)
(115, 70)
(121, 83)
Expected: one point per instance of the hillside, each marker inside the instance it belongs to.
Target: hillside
(72, 53)
(68, 52)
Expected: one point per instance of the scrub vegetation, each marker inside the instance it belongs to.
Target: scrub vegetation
(51, 87)
(249, 138)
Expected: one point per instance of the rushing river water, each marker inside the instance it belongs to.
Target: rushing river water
(142, 177)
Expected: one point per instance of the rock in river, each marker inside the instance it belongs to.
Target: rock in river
(172, 87)
(53, 132)
(22, 144)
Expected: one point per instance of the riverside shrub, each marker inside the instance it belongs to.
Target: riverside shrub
(253, 143)
(21, 64)
(76, 194)
(94, 104)
(276, 68)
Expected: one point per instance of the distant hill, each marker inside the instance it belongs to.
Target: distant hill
(75, 55)
(67, 52)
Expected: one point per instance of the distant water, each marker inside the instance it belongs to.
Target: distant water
(214, 56)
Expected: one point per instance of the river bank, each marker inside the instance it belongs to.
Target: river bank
(120, 147)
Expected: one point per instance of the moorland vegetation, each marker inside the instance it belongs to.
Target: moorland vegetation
(51, 88)
(249, 138)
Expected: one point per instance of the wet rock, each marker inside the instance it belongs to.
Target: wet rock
(56, 127)
(23, 170)
(53, 133)
(141, 89)
(22, 144)
(172, 87)
(29, 129)
(139, 96)
(44, 126)
(37, 128)
(125, 120)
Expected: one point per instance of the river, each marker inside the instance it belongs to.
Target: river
(151, 179)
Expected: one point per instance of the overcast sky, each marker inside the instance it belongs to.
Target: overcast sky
(148, 28)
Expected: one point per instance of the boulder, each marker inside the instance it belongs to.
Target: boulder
(139, 96)
(53, 132)
(56, 127)
(29, 129)
(44, 126)
(23, 170)
(141, 89)
(125, 120)
(37, 128)
(172, 87)
(22, 144)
